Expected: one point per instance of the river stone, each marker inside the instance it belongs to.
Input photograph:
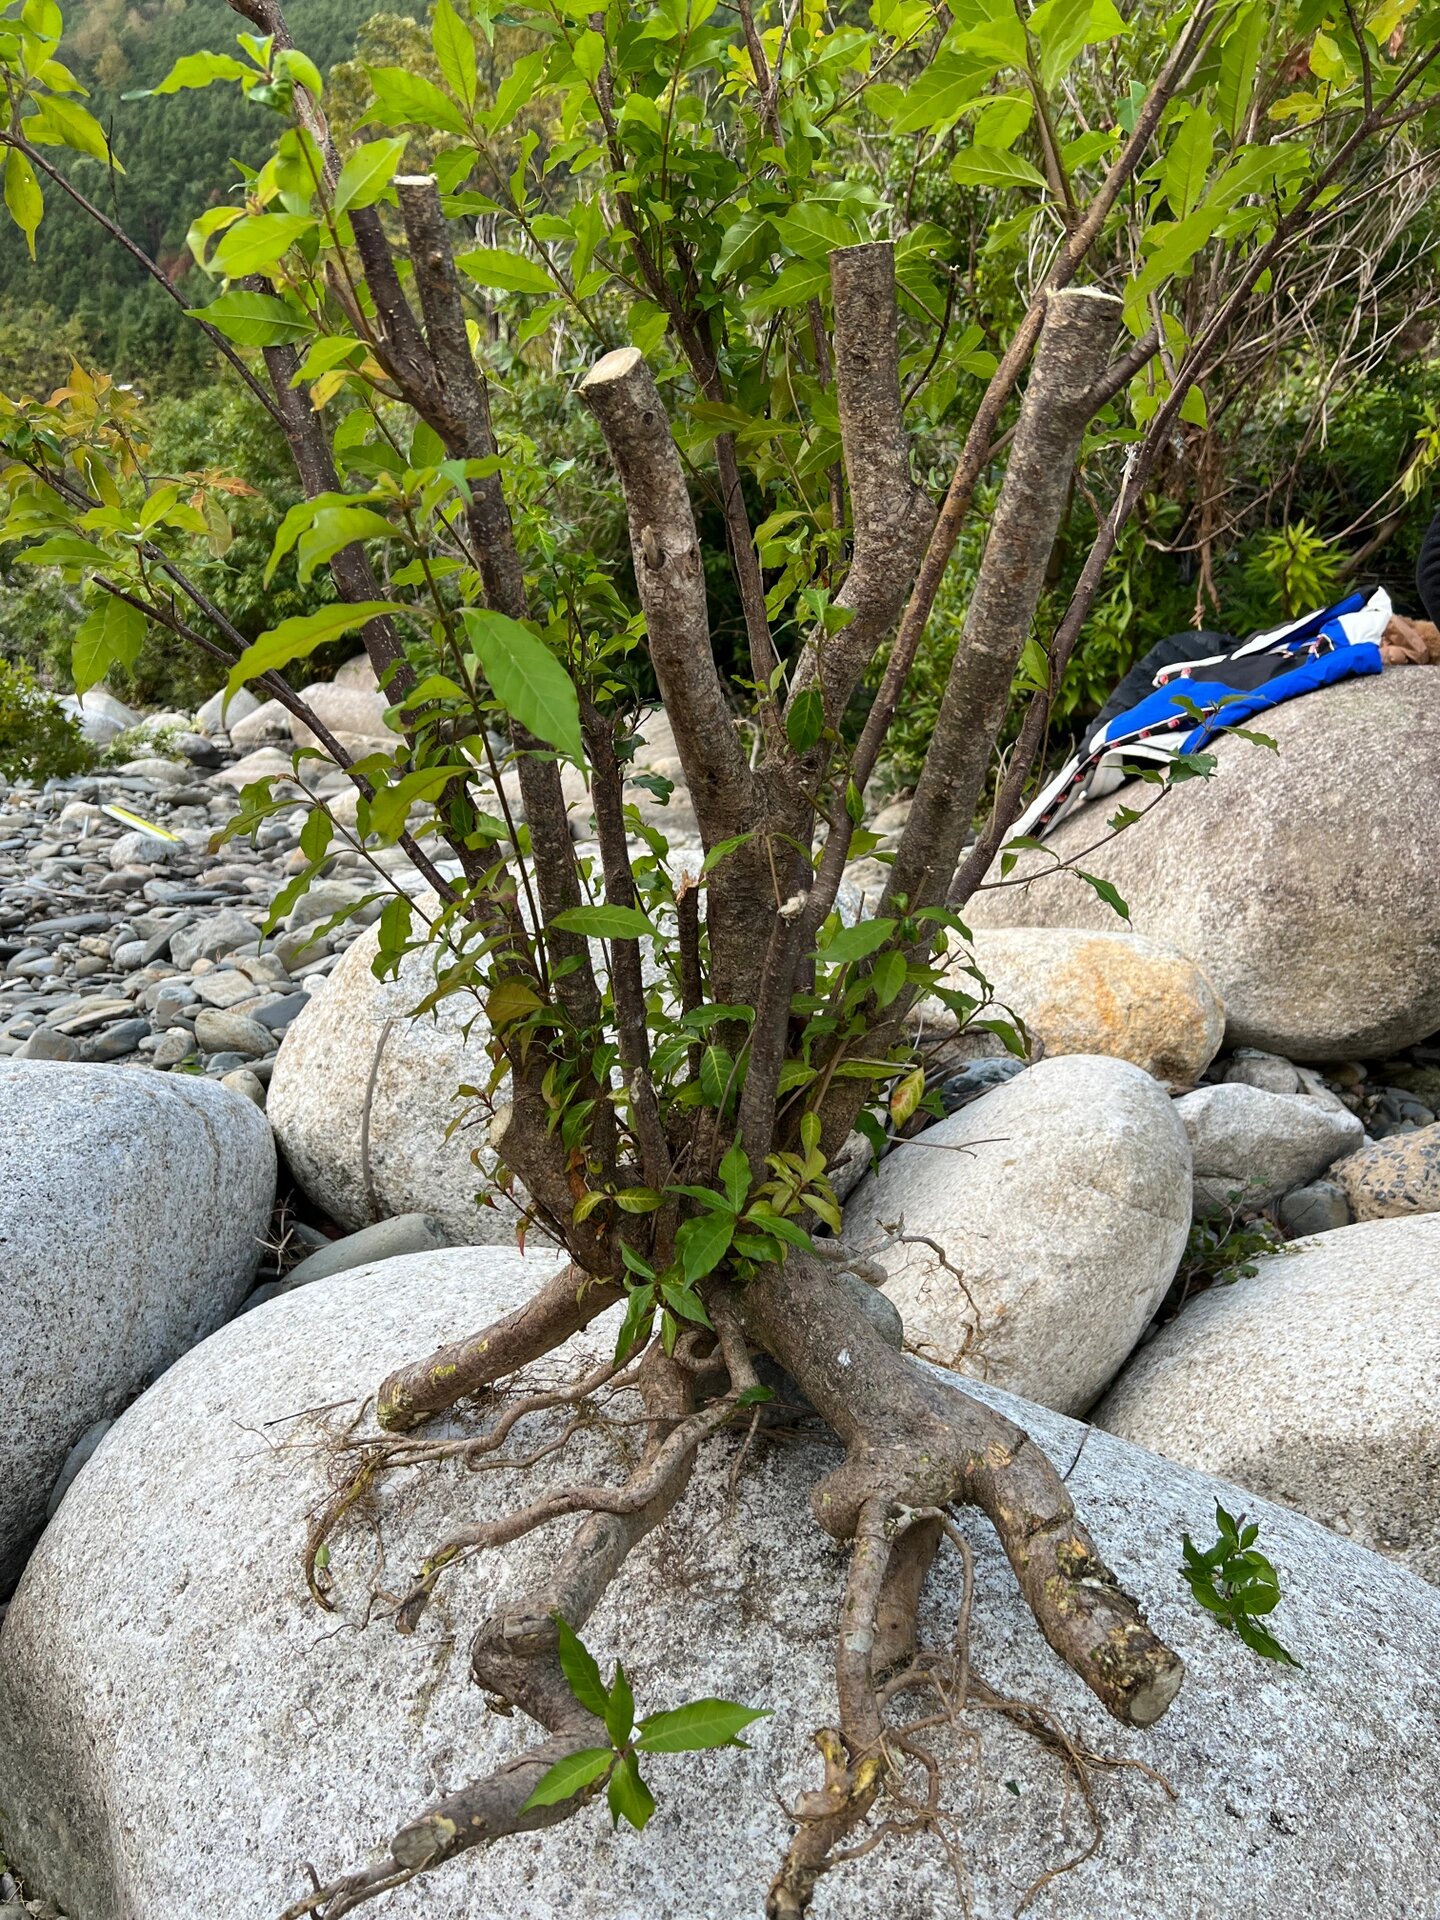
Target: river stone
(1113, 993)
(386, 1240)
(219, 713)
(264, 726)
(349, 711)
(1321, 935)
(362, 1096)
(180, 1729)
(1311, 1382)
(1063, 1197)
(264, 763)
(357, 672)
(1251, 1068)
(220, 1031)
(131, 1210)
(1395, 1176)
(1319, 1208)
(1259, 1145)
(220, 933)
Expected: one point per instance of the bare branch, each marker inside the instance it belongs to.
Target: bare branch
(620, 390)
(1078, 330)
(892, 515)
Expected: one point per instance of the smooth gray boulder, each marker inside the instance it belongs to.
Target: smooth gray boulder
(1319, 927)
(1312, 1382)
(181, 1730)
(363, 1097)
(1063, 1198)
(265, 725)
(218, 713)
(386, 1240)
(1259, 1145)
(131, 1211)
(1319, 1208)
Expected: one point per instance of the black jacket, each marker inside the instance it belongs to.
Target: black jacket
(1427, 571)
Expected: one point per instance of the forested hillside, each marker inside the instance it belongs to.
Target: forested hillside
(177, 155)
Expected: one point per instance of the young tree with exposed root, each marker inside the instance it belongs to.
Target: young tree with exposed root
(694, 218)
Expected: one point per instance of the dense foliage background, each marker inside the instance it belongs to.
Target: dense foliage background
(1291, 490)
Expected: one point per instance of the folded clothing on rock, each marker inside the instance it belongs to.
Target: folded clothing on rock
(1193, 686)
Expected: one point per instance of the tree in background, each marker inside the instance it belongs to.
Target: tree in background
(697, 219)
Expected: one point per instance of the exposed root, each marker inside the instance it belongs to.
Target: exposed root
(562, 1307)
(916, 1447)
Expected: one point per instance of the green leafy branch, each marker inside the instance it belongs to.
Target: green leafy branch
(694, 1728)
(1234, 1581)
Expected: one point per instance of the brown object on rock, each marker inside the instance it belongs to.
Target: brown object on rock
(1410, 643)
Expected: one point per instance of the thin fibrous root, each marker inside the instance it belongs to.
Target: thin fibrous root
(514, 1657)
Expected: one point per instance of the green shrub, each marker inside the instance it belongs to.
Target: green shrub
(38, 739)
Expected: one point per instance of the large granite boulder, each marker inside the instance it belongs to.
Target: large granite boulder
(1311, 1382)
(1107, 993)
(365, 1100)
(181, 1731)
(1301, 881)
(132, 1207)
(1063, 1199)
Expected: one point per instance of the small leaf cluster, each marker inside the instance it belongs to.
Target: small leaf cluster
(1233, 1580)
(694, 1728)
(749, 1228)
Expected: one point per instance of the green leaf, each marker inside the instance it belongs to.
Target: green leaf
(619, 1708)
(571, 1776)
(335, 528)
(603, 923)
(994, 167)
(63, 123)
(716, 1069)
(110, 637)
(629, 1797)
(254, 319)
(294, 639)
(702, 1243)
(700, 1725)
(391, 805)
(857, 942)
(588, 54)
(23, 199)
(1187, 161)
(1240, 67)
(887, 977)
(64, 550)
(639, 1317)
(405, 99)
(527, 680)
(582, 1674)
(1106, 891)
(509, 272)
(1064, 27)
(454, 51)
(202, 70)
(805, 719)
(255, 244)
(368, 173)
(941, 93)
(735, 1172)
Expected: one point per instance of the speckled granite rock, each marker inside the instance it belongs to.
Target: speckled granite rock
(1395, 1176)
